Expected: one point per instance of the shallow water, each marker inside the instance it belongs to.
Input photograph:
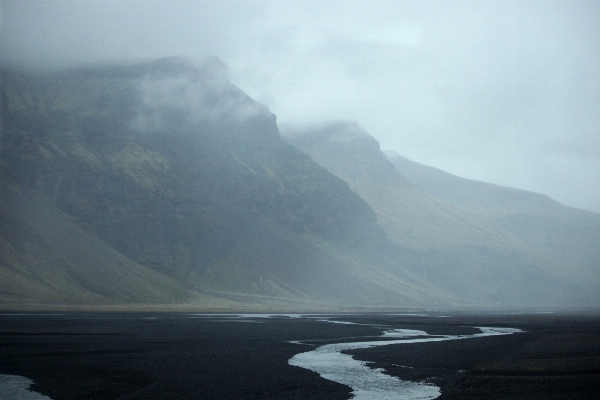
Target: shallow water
(371, 383)
(14, 387)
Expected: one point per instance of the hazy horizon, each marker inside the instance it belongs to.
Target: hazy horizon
(502, 92)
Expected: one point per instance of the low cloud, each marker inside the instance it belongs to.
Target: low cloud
(177, 94)
(457, 82)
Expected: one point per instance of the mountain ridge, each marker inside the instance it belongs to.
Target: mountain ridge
(166, 178)
(467, 254)
(562, 232)
(180, 172)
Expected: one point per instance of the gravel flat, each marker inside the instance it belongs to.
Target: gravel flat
(106, 356)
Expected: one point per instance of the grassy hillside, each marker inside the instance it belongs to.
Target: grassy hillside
(48, 259)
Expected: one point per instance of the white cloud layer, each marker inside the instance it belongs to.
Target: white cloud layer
(506, 92)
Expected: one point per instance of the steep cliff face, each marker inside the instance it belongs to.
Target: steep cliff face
(180, 172)
(477, 258)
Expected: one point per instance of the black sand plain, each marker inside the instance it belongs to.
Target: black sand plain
(105, 356)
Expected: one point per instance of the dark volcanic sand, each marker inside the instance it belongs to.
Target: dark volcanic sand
(110, 356)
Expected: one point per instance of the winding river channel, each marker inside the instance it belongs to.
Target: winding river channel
(372, 383)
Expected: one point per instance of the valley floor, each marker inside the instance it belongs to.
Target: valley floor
(94, 355)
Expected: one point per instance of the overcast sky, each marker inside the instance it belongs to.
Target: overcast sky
(499, 91)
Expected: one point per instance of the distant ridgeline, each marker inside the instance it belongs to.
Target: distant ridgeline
(164, 184)
(480, 242)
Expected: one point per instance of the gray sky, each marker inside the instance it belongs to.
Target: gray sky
(499, 91)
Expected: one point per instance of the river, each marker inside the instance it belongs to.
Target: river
(372, 383)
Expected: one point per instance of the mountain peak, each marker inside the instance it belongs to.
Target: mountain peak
(345, 149)
(340, 131)
(177, 95)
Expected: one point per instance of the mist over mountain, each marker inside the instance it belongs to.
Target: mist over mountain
(568, 236)
(161, 183)
(177, 172)
(480, 242)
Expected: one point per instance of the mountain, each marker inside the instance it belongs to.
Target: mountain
(163, 183)
(48, 259)
(453, 242)
(567, 236)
